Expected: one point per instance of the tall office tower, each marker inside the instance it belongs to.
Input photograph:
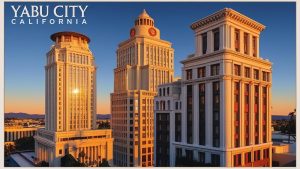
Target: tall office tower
(226, 96)
(70, 120)
(143, 62)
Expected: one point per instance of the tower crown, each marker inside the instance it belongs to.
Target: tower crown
(144, 19)
(77, 39)
(144, 26)
(227, 29)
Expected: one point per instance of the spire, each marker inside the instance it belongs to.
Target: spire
(144, 14)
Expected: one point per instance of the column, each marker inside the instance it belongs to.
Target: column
(232, 113)
(93, 153)
(232, 46)
(196, 36)
(222, 114)
(183, 115)
(199, 45)
(250, 53)
(257, 46)
(172, 139)
(228, 159)
(99, 152)
(242, 114)
(242, 41)
(222, 37)
(196, 114)
(210, 42)
(260, 113)
(250, 44)
(251, 111)
(227, 36)
(208, 114)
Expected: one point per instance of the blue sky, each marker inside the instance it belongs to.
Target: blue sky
(109, 24)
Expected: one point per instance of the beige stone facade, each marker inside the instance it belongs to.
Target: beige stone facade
(225, 95)
(144, 61)
(70, 120)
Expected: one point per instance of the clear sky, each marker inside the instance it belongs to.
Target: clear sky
(109, 24)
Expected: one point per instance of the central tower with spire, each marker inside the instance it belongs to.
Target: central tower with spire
(144, 61)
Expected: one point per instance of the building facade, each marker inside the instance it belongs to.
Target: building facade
(166, 117)
(144, 61)
(226, 96)
(70, 119)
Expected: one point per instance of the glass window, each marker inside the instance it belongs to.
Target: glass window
(256, 155)
(248, 157)
(246, 38)
(216, 34)
(189, 74)
(201, 72)
(215, 160)
(215, 69)
(237, 160)
(237, 40)
(237, 70)
(247, 72)
(204, 43)
(254, 46)
(256, 74)
(201, 156)
(265, 76)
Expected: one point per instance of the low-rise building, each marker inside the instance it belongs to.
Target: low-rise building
(14, 133)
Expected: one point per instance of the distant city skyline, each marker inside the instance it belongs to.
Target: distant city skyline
(110, 23)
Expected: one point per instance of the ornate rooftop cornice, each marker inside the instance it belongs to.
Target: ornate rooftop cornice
(230, 14)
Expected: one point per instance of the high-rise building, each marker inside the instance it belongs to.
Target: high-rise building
(70, 120)
(225, 95)
(143, 62)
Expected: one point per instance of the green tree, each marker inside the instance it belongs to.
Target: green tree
(43, 164)
(291, 127)
(104, 163)
(69, 161)
(25, 143)
(8, 149)
(104, 125)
